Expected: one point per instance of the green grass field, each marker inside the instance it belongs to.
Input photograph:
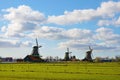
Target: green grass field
(60, 71)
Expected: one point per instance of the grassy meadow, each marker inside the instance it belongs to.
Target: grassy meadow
(60, 71)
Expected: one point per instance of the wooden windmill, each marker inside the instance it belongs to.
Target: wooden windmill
(34, 57)
(35, 51)
(88, 55)
(67, 57)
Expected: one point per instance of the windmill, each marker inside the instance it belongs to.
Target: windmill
(67, 57)
(88, 55)
(34, 57)
(35, 51)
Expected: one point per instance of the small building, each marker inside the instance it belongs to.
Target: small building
(19, 60)
(100, 59)
(7, 59)
(73, 58)
(0, 59)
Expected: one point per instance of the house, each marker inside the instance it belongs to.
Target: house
(7, 59)
(19, 60)
(31, 58)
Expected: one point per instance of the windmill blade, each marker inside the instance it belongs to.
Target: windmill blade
(91, 52)
(36, 42)
(39, 46)
(90, 48)
(92, 55)
(68, 50)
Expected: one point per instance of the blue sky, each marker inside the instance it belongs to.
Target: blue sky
(59, 24)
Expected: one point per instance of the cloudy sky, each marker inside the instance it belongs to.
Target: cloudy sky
(59, 24)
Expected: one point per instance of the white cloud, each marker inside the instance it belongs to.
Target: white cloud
(6, 42)
(24, 14)
(26, 44)
(114, 22)
(106, 34)
(105, 22)
(82, 45)
(46, 32)
(76, 44)
(72, 17)
(106, 10)
(76, 33)
(21, 19)
(60, 33)
(9, 43)
(107, 37)
(103, 39)
(117, 22)
(3, 29)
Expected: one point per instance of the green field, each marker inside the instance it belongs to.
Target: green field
(60, 71)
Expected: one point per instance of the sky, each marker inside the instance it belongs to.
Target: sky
(58, 25)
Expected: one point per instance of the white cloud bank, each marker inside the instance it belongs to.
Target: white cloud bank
(55, 33)
(21, 19)
(102, 39)
(113, 22)
(106, 10)
(14, 43)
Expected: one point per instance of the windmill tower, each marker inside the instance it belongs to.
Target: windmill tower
(35, 51)
(88, 55)
(67, 57)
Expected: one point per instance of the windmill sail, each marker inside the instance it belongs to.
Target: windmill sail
(68, 50)
(36, 42)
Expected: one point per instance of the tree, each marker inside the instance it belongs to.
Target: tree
(117, 58)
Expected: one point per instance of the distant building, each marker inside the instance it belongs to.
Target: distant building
(19, 60)
(73, 58)
(0, 59)
(7, 59)
(106, 59)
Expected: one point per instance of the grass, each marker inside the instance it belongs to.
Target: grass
(60, 71)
